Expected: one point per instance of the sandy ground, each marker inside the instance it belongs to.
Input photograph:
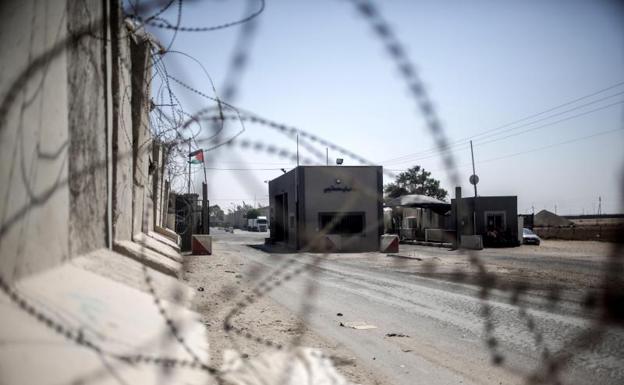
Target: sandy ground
(382, 288)
(576, 266)
(220, 284)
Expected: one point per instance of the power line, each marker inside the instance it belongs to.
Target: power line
(536, 149)
(461, 141)
(517, 133)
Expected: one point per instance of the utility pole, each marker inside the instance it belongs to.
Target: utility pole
(599, 205)
(473, 168)
(297, 150)
(474, 179)
(555, 208)
(189, 168)
(327, 156)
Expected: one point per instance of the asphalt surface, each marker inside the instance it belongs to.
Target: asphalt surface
(442, 320)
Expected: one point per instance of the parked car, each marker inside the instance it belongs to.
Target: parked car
(529, 237)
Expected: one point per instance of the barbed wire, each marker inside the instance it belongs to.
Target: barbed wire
(166, 25)
(605, 304)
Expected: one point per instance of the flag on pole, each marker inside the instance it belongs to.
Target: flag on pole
(196, 157)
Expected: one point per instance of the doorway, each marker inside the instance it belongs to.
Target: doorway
(281, 218)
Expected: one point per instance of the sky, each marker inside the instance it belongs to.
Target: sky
(496, 72)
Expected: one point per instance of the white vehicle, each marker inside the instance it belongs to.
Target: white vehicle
(262, 224)
(257, 224)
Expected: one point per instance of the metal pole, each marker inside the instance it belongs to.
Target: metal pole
(473, 167)
(297, 150)
(189, 168)
(474, 203)
(458, 216)
(327, 156)
(205, 210)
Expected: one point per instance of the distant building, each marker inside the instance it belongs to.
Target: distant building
(335, 208)
(419, 218)
(546, 218)
(495, 218)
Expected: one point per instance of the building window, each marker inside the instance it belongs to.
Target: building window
(495, 221)
(342, 223)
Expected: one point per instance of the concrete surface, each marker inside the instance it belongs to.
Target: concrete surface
(166, 240)
(129, 272)
(118, 318)
(471, 242)
(88, 150)
(34, 139)
(168, 233)
(157, 246)
(148, 257)
(410, 295)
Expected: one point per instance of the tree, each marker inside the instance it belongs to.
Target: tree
(253, 213)
(415, 180)
(216, 212)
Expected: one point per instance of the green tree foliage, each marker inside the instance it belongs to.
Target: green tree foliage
(415, 180)
(253, 213)
(216, 212)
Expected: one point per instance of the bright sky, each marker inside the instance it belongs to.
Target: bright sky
(317, 66)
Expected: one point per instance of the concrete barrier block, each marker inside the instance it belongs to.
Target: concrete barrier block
(168, 233)
(201, 244)
(161, 238)
(389, 243)
(471, 242)
(148, 257)
(159, 247)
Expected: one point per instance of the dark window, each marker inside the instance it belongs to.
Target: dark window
(342, 223)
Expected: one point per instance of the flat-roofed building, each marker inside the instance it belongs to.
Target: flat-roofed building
(335, 208)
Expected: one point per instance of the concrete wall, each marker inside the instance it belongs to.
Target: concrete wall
(365, 196)
(87, 128)
(121, 132)
(74, 133)
(285, 184)
(34, 137)
(142, 207)
(605, 233)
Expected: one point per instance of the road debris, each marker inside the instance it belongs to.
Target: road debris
(201, 288)
(396, 335)
(339, 314)
(359, 325)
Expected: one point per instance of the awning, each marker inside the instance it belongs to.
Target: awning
(422, 201)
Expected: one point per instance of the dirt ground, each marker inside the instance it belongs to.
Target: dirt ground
(220, 284)
(570, 266)
(555, 268)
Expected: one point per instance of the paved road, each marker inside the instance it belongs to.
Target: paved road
(442, 319)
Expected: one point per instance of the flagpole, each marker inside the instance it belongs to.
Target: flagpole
(204, 166)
